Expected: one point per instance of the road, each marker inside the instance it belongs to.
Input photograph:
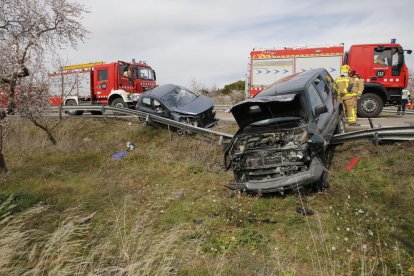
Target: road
(385, 119)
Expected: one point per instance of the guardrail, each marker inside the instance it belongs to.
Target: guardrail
(144, 116)
(394, 110)
(377, 135)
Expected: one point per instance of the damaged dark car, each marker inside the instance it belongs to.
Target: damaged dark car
(284, 134)
(180, 104)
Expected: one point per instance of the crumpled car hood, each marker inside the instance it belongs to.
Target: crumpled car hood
(199, 105)
(259, 108)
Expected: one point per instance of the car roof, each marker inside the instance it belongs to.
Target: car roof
(162, 90)
(292, 84)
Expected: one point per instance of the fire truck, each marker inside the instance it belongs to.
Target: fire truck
(117, 84)
(381, 66)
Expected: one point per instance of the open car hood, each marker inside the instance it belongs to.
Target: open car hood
(263, 108)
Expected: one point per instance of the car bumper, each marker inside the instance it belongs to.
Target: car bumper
(310, 176)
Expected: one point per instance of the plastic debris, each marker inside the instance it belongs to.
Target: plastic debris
(354, 161)
(119, 155)
(130, 146)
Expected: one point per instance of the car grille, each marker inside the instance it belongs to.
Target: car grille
(206, 117)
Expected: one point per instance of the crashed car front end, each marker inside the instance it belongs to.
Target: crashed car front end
(270, 161)
(277, 151)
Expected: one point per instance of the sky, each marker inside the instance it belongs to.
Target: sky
(208, 41)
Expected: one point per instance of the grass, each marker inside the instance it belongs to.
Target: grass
(163, 209)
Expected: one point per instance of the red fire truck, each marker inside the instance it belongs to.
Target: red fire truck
(118, 84)
(381, 66)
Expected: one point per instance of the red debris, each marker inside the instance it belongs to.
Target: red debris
(352, 163)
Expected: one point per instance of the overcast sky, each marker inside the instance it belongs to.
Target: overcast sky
(209, 41)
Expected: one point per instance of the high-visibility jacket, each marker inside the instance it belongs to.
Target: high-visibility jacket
(342, 83)
(357, 85)
(346, 89)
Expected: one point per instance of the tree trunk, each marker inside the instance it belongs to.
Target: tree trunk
(3, 167)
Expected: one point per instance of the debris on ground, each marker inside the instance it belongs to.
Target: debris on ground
(119, 155)
(130, 146)
(304, 211)
(354, 161)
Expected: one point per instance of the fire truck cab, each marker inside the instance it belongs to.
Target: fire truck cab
(384, 72)
(117, 83)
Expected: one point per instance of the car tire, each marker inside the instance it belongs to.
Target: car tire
(323, 184)
(340, 127)
(369, 105)
(72, 102)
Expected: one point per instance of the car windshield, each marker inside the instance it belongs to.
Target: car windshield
(179, 97)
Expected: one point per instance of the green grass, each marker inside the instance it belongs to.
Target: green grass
(164, 208)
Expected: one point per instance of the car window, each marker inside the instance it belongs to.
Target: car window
(146, 102)
(314, 98)
(321, 87)
(179, 97)
(329, 81)
(156, 103)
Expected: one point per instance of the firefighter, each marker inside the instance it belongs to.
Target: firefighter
(342, 81)
(343, 89)
(355, 89)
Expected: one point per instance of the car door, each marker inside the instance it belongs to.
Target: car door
(153, 106)
(159, 109)
(324, 85)
(315, 100)
(145, 104)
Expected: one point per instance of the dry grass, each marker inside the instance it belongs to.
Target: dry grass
(163, 209)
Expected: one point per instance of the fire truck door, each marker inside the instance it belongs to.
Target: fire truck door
(102, 88)
(125, 77)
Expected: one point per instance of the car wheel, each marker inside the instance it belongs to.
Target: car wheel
(370, 105)
(323, 184)
(72, 112)
(183, 131)
(340, 127)
(143, 121)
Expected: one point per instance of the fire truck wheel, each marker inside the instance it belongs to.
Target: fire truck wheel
(119, 102)
(73, 112)
(370, 105)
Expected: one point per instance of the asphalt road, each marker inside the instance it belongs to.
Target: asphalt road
(385, 119)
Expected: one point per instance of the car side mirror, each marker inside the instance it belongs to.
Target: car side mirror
(320, 109)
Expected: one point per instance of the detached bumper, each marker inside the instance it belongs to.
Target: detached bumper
(269, 185)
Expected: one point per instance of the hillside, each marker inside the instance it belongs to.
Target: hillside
(163, 209)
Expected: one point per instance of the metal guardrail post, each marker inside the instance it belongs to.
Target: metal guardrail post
(376, 140)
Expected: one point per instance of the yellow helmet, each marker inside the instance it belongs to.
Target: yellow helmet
(345, 68)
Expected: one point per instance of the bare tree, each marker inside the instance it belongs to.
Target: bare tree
(29, 28)
(32, 100)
